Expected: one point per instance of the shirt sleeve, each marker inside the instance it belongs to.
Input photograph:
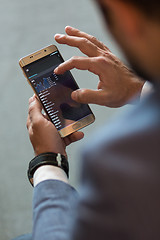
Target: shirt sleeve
(147, 88)
(53, 210)
(48, 172)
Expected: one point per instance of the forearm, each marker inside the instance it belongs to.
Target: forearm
(53, 205)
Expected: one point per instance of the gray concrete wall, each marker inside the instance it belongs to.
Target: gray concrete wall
(26, 26)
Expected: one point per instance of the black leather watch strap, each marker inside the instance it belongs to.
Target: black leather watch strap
(49, 158)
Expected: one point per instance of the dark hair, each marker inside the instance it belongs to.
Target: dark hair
(150, 8)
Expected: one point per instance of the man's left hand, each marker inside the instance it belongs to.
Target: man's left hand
(43, 134)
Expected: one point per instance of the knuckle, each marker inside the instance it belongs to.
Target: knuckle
(82, 95)
(30, 109)
(65, 38)
(37, 123)
(30, 131)
(93, 39)
(73, 59)
(84, 91)
(105, 54)
(29, 100)
(84, 41)
(102, 60)
(27, 125)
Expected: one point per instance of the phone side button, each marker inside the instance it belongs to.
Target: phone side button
(76, 126)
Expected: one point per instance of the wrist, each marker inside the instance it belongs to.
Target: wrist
(49, 158)
(136, 89)
(39, 150)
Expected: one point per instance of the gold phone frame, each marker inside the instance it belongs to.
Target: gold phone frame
(38, 55)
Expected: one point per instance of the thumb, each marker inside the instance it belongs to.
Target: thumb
(35, 109)
(89, 96)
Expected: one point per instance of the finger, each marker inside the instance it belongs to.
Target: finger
(81, 63)
(87, 96)
(75, 32)
(28, 124)
(82, 43)
(35, 109)
(74, 137)
(31, 99)
(46, 116)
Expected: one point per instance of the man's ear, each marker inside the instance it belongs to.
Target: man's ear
(127, 16)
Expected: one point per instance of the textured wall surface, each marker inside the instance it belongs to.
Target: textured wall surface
(26, 26)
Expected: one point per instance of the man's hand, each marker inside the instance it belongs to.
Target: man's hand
(43, 134)
(117, 84)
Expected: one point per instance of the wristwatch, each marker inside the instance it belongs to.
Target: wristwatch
(49, 158)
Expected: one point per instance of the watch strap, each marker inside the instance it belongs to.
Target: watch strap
(49, 158)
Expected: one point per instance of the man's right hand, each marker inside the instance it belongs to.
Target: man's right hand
(117, 84)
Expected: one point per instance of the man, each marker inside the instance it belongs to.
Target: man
(119, 193)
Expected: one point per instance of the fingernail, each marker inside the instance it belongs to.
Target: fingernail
(75, 94)
(32, 99)
(58, 36)
(68, 27)
(56, 70)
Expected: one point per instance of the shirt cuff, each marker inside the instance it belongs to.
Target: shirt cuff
(146, 89)
(48, 172)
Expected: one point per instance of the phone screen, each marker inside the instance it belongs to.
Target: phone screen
(54, 91)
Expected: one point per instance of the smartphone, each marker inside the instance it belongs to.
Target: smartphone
(54, 91)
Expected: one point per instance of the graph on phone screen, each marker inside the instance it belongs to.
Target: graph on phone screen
(45, 83)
